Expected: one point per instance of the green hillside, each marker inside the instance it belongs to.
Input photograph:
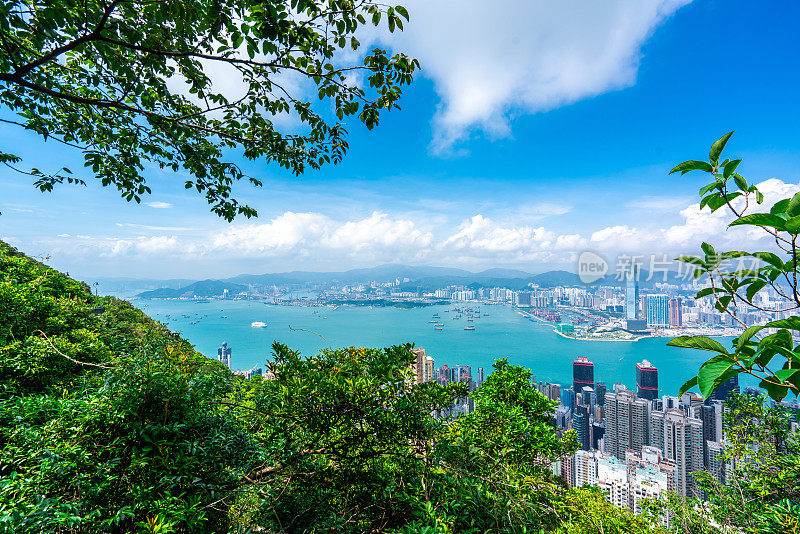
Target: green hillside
(110, 423)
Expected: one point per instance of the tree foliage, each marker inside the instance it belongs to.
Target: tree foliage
(133, 84)
(736, 277)
(110, 423)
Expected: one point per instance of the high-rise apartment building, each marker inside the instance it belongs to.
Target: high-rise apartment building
(626, 422)
(422, 366)
(646, 380)
(680, 439)
(658, 310)
(582, 374)
(224, 355)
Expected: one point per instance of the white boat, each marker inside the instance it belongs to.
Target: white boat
(258, 324)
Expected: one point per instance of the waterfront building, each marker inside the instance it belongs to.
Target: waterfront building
(480, 377)
(224, 354)
(588, 397)
(675, 314)
(582, 374)
(646, 380)
(633, 317)
(680, 439)
(658, 310)
(626, 422)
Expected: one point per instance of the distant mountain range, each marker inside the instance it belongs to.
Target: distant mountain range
(204, 288)
(425, 277)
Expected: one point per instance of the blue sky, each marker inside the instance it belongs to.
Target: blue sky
(535, 131)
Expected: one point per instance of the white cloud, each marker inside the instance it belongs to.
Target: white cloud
(159, 205)
(492, 60)
(652, 203)
(696, 226)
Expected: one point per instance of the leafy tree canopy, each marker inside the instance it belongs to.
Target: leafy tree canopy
(767, 352)
(133, 84)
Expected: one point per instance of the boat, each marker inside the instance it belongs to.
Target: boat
(438, 327)
(469, 328)
(431, 321)
(258, 324)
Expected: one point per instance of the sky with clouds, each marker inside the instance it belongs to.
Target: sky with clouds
(535, 130)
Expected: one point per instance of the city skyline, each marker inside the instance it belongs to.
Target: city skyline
(470, 174)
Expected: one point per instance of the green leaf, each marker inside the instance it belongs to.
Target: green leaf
(774, 391)
(747, 335)
(793, 208)
(769, 257)
(760, 219)
(754, 288)
(784, 374)
(709, 373)
(708, 249)
(728, 171)
(790, 323)
(780, 206)
(698, 342)
(689, 384)
(793, 225)
(692, 165)
(403, 11)
(716, 148)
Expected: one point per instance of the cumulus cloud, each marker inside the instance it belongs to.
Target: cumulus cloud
(492, 60)
(697, 225)
(480, 238)
(306, 233)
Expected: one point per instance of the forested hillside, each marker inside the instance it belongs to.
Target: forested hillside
(109, 423)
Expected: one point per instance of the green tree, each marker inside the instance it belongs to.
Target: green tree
(134, 84)
(767, 351)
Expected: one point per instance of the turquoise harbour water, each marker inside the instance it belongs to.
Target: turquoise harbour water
(503, 334)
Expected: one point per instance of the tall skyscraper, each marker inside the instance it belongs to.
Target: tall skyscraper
(580, 423)
(480, 377)
(680, 438)
(632, 292)
(582, 373)
(675, 314)
(600, 391)
(626, 422)
(568, 398)
(711, 415)
(224, 355)
(646, 380)
(658, 310)
(633, 319)
(724, 390)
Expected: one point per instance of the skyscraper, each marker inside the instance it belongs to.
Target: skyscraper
(600, 391)
(633, 319)
(224, 354)
(626, 422)
(582, 374)
(711, 415)
(580, 423)
(680, 438)
(675, 316)
(658, 310)
(480, 377)
(646, 380)
(725, 389)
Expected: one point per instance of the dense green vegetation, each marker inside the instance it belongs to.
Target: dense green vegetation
(109, 423)
(186, 84)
